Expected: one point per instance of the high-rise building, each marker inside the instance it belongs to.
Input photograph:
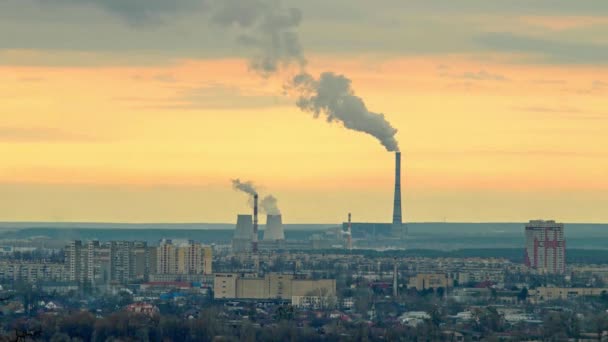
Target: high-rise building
(186, 257)
(166, 257)
(98, 263)
(76, 260)
(545, 247)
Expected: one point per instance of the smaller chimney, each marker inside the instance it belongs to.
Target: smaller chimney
(395, 279)
(349, 236)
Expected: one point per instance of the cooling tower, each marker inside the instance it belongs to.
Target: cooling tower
(243, 234)
(244, 227)
(274, 228)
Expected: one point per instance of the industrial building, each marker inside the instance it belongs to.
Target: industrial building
(545, 247)
(371, 231)
(271, 286)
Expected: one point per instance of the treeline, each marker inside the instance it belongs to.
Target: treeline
(209, 326)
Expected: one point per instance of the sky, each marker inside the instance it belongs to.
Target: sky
(144, 110)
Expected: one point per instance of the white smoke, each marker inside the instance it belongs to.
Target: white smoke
(333, 96)
(268, 204)
(246, 187)
(269, 29)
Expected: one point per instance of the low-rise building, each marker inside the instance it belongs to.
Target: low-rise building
(542, 294)
(271, 286)
(425, 281)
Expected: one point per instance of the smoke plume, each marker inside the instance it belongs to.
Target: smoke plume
(266, 27)
(270, 31)
(332, 95)
(270, 206)
(246, 187)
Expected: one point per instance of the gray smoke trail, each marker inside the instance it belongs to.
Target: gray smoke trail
(246, 187)
(270, 30)
(267, 27)
(333, 96)
(270, 206)
(264, 26)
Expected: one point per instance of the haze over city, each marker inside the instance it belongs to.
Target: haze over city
(115, 112)
(305, 171)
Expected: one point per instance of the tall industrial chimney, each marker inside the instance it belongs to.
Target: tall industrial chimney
(397, 218)
(254, 241)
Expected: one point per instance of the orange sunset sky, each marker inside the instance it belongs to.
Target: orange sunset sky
(144, 113)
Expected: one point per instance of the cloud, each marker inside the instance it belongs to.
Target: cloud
(547, 109)
(564, 112)
(137, 12)
(10, 134)
(481, 75)
(545, 50)
(214, 96)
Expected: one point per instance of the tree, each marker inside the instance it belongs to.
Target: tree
(522, 296)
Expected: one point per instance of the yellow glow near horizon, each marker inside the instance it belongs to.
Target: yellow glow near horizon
(482, 141)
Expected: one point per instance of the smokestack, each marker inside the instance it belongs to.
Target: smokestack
(349, 237)
(397, 218)
(395, 281)
(254, 241)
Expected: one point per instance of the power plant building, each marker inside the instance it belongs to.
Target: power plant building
(545, 247)
(382, 231)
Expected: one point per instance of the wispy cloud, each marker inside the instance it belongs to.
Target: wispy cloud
(482, 75)
(546, 50)
(137, 12)
(564, 112)
(214, 96)
(15, 134)
(547, 109)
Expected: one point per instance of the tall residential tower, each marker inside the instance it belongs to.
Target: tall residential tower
(545, 247)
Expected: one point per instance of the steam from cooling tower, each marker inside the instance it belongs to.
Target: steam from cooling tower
(270, 206)
(332, 95)
(269, 203)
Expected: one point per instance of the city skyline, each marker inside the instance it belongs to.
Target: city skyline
(137, 125)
